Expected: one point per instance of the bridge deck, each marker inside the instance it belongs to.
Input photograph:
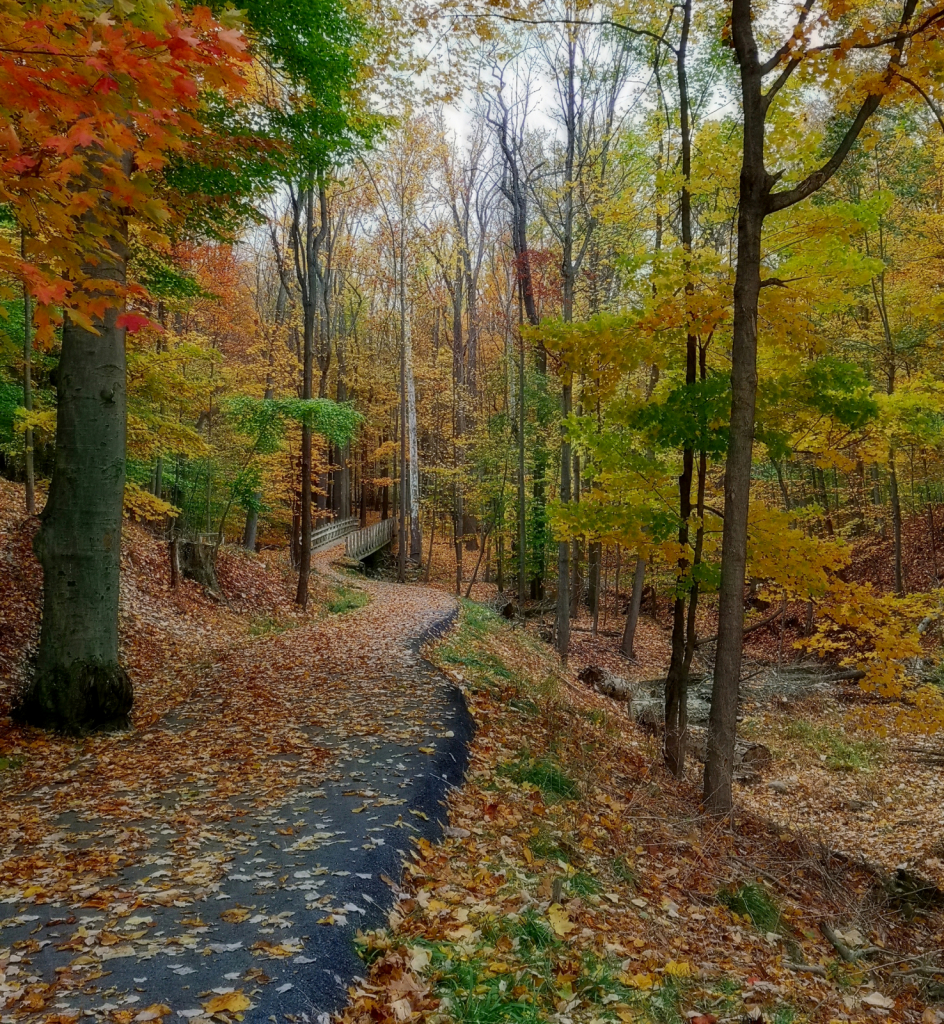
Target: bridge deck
(332, 532)
(372, 538)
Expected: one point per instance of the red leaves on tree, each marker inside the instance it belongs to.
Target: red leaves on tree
(79, 87)
(134, 321)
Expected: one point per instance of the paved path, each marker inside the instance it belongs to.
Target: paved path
(247, 871)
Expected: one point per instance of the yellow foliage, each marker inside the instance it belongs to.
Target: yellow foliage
(41, 421)
(794, 564)
(878, 633)
(141, 504)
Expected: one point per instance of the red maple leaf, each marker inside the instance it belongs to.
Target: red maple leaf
(133, 321)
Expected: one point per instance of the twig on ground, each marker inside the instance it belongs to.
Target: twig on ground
(848, 954)
(806, 968)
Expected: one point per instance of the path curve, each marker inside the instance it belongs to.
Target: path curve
(259, 889)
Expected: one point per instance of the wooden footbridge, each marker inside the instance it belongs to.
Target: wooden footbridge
(358, 543)
(372, 538)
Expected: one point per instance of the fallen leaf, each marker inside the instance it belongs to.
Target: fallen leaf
(560, 922)
(153, 1012)
(402, 1010)
(419, 959)
(235, 915)
(116, 952)
(230, 1002)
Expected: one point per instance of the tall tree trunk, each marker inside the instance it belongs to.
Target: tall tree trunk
(402, 505)
(594, 557)
(28, 391)
(755, 200)
(576, 545)
(363, 482)
(632, 617)
(304, 561)
(514, 186)
(432, 535)
(722, 724)
(522, 499)
(568, 272)
(250, 530)
(343, 474)
(676, 683)
(308, 272)
(896, 522)
(563, 547)
(80, 684)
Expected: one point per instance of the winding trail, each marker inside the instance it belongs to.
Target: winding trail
(251, 876)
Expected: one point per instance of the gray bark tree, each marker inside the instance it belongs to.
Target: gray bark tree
(79, 684)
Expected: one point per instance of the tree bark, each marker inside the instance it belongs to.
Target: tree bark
(755, 201)
(896, 523)
(722, 723)
(80, 684)
(594, 558)
(676, 683)
(563, 547)
(632, 616)
(28, 391)
(249, 533)
(522, 499)
(514, 186)
(416, 534)
(307, 243)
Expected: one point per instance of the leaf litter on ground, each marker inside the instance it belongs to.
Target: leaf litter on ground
(133, 863)
(614, 900)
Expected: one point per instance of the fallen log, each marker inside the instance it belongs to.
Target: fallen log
(605, 682)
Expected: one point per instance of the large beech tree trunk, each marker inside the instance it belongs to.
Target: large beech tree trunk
(79, 683)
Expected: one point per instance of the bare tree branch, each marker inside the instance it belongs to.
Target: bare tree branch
(812, 182)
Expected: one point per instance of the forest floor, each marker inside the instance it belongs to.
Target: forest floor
(578, 883)
(842, 770)
(206, 865)
(217, 859)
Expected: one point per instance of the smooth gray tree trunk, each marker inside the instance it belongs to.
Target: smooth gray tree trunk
(80, 684)
(251, 529)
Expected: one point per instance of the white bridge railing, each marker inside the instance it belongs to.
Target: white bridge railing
(332, 532)
(372, 538)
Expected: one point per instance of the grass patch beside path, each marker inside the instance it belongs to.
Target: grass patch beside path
(326, 599)
(545, 774)
(346, 599)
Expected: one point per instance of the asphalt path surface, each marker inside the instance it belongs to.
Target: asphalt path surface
(275, 921)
